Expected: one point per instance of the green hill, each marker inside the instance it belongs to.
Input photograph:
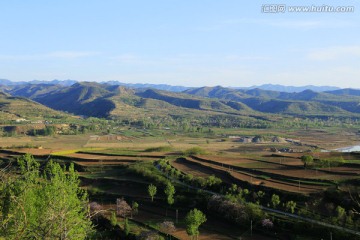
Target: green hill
(306, 102)
(346, 91)
(81, 98)
(13, 108)
(112, 101)
(34, 90)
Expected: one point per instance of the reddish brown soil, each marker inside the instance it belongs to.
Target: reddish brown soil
(282, 169)
(34, 151)
(198, 170)
(287, 186)
(103, 157)
(227, 160)
(83, 163)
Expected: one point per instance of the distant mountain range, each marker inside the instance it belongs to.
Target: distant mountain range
(7, 82)
(166, 87)
(281, 88)
(112, 101)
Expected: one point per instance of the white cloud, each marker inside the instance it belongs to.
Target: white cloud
(334, 53)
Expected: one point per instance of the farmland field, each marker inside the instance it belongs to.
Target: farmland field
(112, 166)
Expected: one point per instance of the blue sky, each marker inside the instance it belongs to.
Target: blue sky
(179, 42)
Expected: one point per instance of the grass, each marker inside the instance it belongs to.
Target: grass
(263, 177)
(97, 173)
(72, 151)
(112, 151)
(159, 149)
(353, 161)
(134, 227)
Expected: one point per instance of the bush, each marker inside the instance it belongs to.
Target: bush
(194, 151)
(330, 162)
(148, 171)
(234, 211)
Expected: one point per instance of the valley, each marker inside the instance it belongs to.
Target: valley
(237, 155)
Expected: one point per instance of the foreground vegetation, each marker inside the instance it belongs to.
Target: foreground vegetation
(43, 203)
(163, 170)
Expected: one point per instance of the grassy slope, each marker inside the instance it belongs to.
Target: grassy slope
(12, 108)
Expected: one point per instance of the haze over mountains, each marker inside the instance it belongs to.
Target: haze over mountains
(110, 100)
(273, 87)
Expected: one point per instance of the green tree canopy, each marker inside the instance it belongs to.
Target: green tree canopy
(193, 221)
(170, 191)
(152, 191)
(290, 206)
(275, 200)
(47, 204)
(307, 160)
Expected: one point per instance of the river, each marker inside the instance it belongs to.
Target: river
(355, 148)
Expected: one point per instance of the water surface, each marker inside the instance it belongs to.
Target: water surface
(355, 148)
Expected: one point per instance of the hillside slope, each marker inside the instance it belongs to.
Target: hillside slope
(112, 101)
(306, 102)
(13, 108)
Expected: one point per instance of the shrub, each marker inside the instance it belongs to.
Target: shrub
(194, 151)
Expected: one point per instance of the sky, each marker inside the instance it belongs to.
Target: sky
(180, 42)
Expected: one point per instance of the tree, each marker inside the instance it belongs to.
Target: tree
(49, 130)
(188, 178)
(307, 160)
(267, 223)
(193, 221)
(113, 219)
(134, 208)
(148, 235)
(152, 191)
(233, 189)
(169, 191)
(28, 165)
(253, 211)
(355, 197)
(122, 207)
(126, 227)
(167, 227)
(275, 200)
(290, 206)
(260, 194)
(47, 204)
(95, 210)
(340, 214)
(213, 181)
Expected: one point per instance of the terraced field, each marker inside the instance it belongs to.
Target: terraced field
(284, 172)
(285, 184)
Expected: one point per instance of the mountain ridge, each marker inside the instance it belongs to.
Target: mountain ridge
(175, 88)
(113, 101)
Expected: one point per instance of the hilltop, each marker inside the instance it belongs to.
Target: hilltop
(18, 108)
(172, 88)
(114, 101)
